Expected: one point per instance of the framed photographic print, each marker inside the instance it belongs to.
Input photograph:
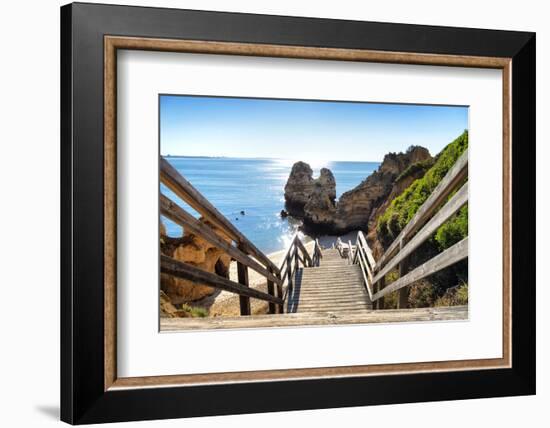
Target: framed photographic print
(345, 208)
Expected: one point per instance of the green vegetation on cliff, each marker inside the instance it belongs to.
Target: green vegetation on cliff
(404, 207)
(446, 287)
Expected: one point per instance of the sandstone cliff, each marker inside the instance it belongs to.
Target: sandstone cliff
(313, 200)
(198, 252)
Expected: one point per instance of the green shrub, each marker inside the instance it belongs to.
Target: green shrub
(454, 296)
(404, 207)
(194, 311)
(415, 167)
(453, 230)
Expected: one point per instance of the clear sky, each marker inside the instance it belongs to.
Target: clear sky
(302, 130)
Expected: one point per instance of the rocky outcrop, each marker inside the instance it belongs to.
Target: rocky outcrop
(314, 200)
(301, 187)
(198, 252)
(403, 181)
(356, 206)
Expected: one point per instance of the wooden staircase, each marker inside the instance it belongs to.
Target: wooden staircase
(333, 286)
(324, 286)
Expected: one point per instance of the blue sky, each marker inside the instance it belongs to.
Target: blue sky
(302, 130)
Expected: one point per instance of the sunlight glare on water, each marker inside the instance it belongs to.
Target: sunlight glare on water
(250, 193)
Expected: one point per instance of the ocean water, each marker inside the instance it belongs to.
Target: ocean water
(255, 186)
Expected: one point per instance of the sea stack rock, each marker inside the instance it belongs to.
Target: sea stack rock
(305, 196)
(299, 187)
(320, 208)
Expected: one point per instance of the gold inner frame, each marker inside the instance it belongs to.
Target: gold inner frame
(113, 43)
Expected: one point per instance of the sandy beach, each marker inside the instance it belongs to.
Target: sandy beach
(224, 303)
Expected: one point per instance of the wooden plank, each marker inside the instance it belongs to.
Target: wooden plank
(365, 278)
(172, 179)
(366, 248)
(174, 212)
(291, 246)
(380, 300)
(280, 293)
(362, 256)
(244, 301)
(457, 201)
(183, 270)
(451, 255)
(301, 246)
(449, 313)
(403, 293)
(271, 290)
(446, 186)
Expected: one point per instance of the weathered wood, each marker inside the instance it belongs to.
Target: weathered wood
(303, 249)
(365, 278)
(379, 299)
(271, 290)
(171, 210)
(291, 247)
(403, 293)
(350, 252)
(362, 256)
(244, 301)
(455, 203)
(368, 252)
(457, 173)
(289, 270)
(172, 179)
(451, 255)
(280, 294)
(449, 313)
(183, 270)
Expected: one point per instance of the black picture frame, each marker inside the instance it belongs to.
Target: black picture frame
(83, 398)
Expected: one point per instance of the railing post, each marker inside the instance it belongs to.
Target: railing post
(280, 292)
(380, 285)
(289, 269)
(271, 290)
(403, 293)
(242, 274)
(350, 253)
(296, 260)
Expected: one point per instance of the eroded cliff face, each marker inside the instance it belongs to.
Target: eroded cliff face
(198, 252)
(313, 200)
(400, 184)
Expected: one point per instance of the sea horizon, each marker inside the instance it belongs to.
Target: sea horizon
(263, 158)
(250, 192)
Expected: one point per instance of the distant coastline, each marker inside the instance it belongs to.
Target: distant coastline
(171, 156)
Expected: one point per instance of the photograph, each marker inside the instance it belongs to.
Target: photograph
(291, 212)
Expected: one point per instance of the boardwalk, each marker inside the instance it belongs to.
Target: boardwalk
(334, 286)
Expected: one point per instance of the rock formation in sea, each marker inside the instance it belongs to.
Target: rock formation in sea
(301, 187)
(313, 200)
(198, 252)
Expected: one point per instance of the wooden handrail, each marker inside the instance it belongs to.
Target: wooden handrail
(186, 271)
(423, 224)
(446, 186)
(172, 211)
(450, 256)
(457, 201)
(172, 179)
